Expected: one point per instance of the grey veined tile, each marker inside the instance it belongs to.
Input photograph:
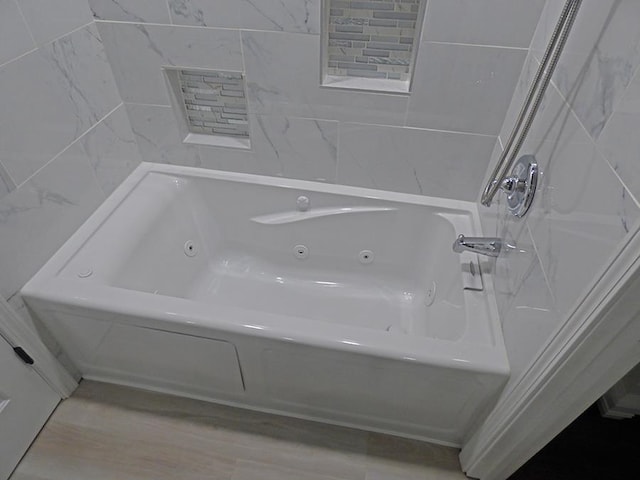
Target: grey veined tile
(110, 148)
(50, 20)
(151, 11)
(283, 74)
(137, 53)
(15, 38)
(599, 60)
(463, 88)
(71, 84)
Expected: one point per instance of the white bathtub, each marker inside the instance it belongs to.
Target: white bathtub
(188, 281)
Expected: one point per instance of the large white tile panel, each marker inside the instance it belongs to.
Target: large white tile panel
(37, 218)
(49, 20)
(600, 58)
(463, 88)
(530, 319)
(205, 13)
(517, 100)
(282, 146)
(508, 23)
(56, 94)
(14, 34)
(301, 16)
(110, 148)
(159, 140)
(137, 53)
(425, 162)
(620, 142)
(283, 78)
(516, 260)
(581, 212)
(152, 11)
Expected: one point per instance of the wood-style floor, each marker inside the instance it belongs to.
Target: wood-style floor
(116, 433)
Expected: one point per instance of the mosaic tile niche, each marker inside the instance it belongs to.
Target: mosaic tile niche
(213, 106)
(372, 40)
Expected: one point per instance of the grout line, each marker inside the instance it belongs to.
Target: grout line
(6, 178)
(615, 172)
(2, 65)
(460, 44)
(38, 47)
(26, 23)
(147, 104)
(200, 27)
(169, 11)
(67, 33)
(93, 127)
(338, 129)
(412, 128)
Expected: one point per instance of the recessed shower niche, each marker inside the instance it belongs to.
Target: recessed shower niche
(370, 45)
(210, 106)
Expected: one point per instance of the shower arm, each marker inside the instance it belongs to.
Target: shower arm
(532, 103)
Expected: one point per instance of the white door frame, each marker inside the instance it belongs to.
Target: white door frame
(18, 334)
(597, 345)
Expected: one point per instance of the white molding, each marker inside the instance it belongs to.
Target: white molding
(17, 333)
(596, 346)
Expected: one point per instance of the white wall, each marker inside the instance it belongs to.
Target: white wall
(65, 139)
(586, 142)
(435, 142)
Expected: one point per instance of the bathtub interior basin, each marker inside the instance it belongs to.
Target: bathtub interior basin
(282, 295)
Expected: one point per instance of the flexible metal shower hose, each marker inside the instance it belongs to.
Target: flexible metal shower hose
(534, 98)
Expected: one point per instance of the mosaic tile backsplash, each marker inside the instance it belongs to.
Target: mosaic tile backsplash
(214, 102)
(372, 39)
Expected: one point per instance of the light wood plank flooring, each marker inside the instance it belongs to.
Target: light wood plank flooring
(117, 433)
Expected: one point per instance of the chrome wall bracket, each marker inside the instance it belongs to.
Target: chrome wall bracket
(521, 186)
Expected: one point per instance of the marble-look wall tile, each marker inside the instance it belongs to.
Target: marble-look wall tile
(110, 148)
(280, 146)
(50, 20)
(159, 140)
(283, 78)
(464, 88)
(15, 38)
(151, 11)
(582, 211)
(620, 142)
(600, 58)
(423, 162)
(301, 16)
(297, 16)
(137, 53)
(489, 215)
(38, 217)
(204, 13)
(508, 23)
(57, 93)
(530, 317)
(6, 182)
(283, 146)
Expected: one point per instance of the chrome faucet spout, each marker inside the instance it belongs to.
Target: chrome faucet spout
(488, 246)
